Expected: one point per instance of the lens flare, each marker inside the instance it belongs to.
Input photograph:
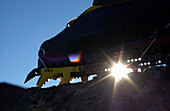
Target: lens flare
(120, 71)
(76, 57)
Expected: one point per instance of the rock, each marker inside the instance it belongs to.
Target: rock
(145, 92)
(9, 96)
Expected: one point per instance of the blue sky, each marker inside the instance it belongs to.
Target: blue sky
(24, 26)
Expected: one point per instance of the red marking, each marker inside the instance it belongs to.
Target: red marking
(147, 42)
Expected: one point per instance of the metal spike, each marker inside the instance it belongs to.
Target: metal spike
(32, 74)
(84, 78)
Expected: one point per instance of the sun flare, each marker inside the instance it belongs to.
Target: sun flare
(120, 71)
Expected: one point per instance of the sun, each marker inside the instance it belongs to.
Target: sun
(120, 71)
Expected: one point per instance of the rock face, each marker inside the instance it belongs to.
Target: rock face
(9, 96)
(148, 91)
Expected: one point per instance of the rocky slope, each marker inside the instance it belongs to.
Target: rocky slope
(9, 96)
(148, 91)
